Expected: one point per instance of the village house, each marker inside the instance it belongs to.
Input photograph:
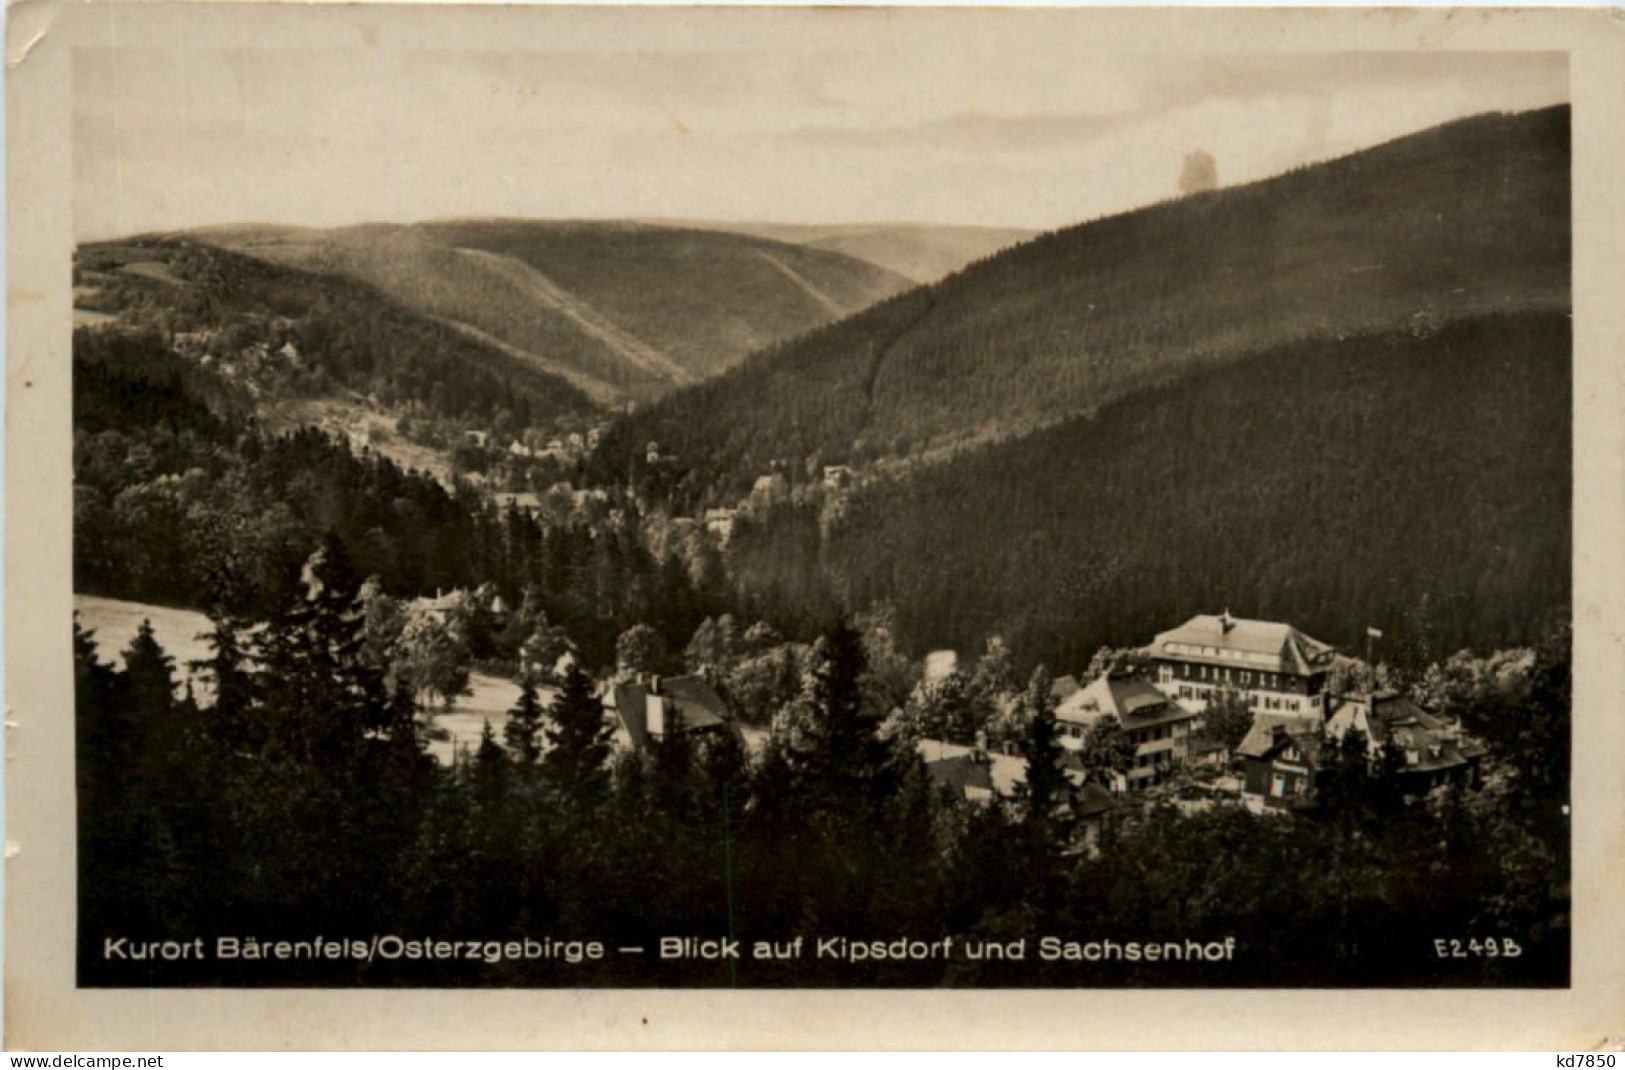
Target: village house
(955, 764)
(837, 476)
(980, 776)
(1159, 728)
(1095, 808)
(1274, 667)
(645, 710)
(446, 606)
(1280, 757)
(524, 501)
(1063, 688)
(720, 523)
(968, 774)
(1434, 750)
(939, 665)
(442, 607)
(768, 490)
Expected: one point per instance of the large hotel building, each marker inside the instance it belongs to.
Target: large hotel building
(1274, 667)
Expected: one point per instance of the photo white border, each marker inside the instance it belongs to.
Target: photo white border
(43, 1009)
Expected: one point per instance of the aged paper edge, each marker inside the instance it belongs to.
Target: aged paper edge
(43, 1008)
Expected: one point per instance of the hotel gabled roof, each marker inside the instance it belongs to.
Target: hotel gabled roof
(1220, 639)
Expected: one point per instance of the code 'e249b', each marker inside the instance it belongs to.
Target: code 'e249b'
(1502, 947)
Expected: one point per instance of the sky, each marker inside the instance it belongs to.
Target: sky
(848, 128)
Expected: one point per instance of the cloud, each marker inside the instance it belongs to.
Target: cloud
(969, 132)
(1166, 83)
(864, 127)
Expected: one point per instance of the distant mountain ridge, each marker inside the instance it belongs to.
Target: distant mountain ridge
(625, 311)
(305, 348)
(1463, 220)
(920, 252)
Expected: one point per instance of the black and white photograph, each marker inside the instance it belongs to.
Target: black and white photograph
(860, 500)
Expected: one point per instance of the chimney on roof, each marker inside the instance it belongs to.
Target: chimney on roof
(1226, 622)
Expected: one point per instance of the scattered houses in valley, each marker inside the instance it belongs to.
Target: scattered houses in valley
(1280, 675)
(980, 775)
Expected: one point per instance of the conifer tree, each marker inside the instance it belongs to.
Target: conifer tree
(323, 694)
(577, 742)
(523, 732)
(674, 759)
(846, 761)
(159, 725)
(1046, 793)
(1106, 754)
(489, 772)
(231, 722)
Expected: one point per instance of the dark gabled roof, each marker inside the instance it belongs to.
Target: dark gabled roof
(1260, 738)
(631, 706)
(1094, 800)
(1393, 713)
(696, 701)
(961, 773)
(1308, 743)
(1430, 742)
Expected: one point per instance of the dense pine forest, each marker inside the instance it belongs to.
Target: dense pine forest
(182, 503)
(295, 811)
(1417, 481)
(1454, 222)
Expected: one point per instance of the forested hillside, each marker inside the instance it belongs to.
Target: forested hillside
(1464, 220)
(1414, 481)
(181, 501)
(626, 311)
(277, 333)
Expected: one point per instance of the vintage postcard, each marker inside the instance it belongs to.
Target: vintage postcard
(803, 527)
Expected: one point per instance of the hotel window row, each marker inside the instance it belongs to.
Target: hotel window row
(1222, 674)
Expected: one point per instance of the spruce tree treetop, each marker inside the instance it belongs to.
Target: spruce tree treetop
(522, 733)
(578, 742)
(1046, 789)
(844, 758)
